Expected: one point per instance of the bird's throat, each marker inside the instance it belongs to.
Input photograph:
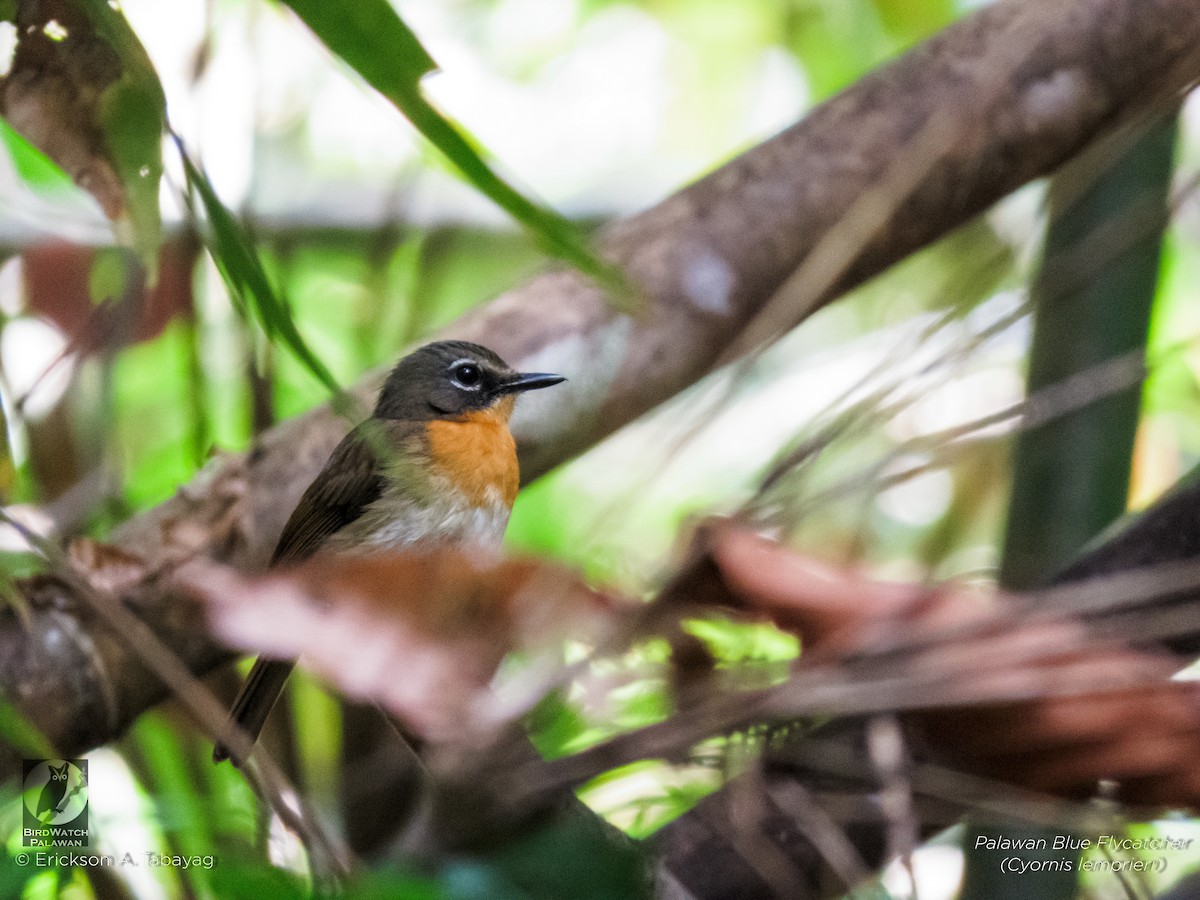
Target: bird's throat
(477, 455)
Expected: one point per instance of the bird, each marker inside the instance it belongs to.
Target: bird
(54, 793)
(435, 464)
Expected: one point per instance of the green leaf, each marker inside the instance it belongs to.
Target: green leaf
(379, 46)
(373, 39)
(133, 114)
(915, 21)
(243, 273)
(92, 102)
(18, 732)
(836, 43)
(238, 880)
(739, 642)
(390, 882)
(34, 167)
(532, 866)
(180, 805)
(107, 274)
(133, 119)
(555, 725)
(15, 878)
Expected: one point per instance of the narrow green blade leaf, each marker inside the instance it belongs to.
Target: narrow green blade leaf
(130, 110)
(133, 114)
(373, 39)
(33, 166)
(379, 46)
(239, 265)
(18, 732)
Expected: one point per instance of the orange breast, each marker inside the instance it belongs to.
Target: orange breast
(477, 454)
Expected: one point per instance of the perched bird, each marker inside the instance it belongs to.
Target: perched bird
(54, 793)
(434, 464)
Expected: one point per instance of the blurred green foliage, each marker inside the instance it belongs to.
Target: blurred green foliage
(132, 114)
(372, 38)
(32, 166)
(234, 253)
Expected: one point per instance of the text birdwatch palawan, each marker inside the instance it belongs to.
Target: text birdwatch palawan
(435, 464)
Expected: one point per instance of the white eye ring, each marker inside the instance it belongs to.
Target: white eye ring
(467, 374)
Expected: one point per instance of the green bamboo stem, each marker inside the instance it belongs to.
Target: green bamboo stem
(1071, 475)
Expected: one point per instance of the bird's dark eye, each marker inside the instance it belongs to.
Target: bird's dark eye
(467, 375)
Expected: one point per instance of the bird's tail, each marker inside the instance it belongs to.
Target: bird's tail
(254, 703)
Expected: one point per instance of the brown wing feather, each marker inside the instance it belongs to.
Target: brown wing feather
(350, 481)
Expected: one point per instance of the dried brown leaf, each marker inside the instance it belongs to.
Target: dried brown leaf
(106, 567)
(420, 633)
(1136, 726)
(52, 97)
(82, 90)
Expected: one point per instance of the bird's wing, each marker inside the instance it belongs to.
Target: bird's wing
(351, 480)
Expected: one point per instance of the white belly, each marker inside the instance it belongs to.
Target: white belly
(396, 521)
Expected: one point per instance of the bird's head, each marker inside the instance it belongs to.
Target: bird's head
(447, 379)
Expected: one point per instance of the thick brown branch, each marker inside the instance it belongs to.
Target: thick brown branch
(707, 258)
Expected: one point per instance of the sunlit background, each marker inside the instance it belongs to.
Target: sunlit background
(599, 108)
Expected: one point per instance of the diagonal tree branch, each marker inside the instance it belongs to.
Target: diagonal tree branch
(1058, 77)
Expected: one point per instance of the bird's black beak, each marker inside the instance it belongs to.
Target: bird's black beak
(529, 381)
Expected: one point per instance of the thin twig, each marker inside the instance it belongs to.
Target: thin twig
(209, 711)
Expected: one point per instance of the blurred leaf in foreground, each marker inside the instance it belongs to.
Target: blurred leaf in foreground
(249, 287)
(82, 90)
(379, 46)
(571, 858)
(447, 618)
(17, 731)
(32, 165)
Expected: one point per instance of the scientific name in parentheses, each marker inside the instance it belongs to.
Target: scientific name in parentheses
(1073, 842)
